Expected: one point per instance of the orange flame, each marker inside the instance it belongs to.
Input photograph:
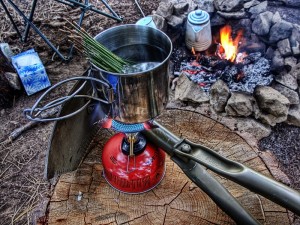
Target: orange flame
(230, 46)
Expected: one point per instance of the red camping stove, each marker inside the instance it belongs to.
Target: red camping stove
(131, 164)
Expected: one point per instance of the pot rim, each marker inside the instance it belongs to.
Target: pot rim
(144, 71)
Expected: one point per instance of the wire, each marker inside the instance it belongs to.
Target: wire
(34, 113)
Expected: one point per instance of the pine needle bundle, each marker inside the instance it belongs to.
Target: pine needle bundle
(97, 53)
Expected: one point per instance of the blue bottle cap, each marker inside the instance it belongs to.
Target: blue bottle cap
(198, 17)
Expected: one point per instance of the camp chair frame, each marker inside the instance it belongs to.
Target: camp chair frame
(85, 6)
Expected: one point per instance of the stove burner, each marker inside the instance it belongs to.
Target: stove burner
(125, 127)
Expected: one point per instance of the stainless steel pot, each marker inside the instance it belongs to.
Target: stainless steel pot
(140, 96)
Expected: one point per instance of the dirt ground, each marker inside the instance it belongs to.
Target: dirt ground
(24, 191)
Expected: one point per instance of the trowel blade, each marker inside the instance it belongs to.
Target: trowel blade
(72, 137)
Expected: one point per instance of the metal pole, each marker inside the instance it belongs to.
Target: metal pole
(25, 35)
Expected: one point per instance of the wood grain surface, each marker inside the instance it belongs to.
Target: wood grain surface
(176, 200)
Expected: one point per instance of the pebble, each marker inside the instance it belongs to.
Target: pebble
(2, 112)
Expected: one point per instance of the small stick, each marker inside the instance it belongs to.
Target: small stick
(5, 156)
(5, 171)
(13, 164)
(17, 132)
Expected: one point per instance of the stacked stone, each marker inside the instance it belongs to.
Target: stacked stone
(276, 38)
(280, 102)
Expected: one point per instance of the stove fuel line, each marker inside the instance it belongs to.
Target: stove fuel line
(193, 159)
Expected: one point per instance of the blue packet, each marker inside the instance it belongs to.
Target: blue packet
(31, 71)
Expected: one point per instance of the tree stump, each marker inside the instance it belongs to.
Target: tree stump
(176, 200)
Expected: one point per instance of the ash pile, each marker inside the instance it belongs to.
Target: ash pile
(243, 75)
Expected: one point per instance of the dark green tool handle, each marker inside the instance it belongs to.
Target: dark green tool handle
(205, 181)
(216, 191)
(237, 172)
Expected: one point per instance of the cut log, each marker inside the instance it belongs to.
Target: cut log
(83, 197)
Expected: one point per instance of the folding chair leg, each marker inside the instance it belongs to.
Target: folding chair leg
(11, 19)
(92, 8)
(84, 7)
(79, 24)
(25, 35)
(37, 30)
(110, 9)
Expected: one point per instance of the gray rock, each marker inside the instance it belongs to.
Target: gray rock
(252, 126)
(277, 61)
(295, 72)
(251, 3)
(239, 104)
(288, 80)
(229, 5)
(270, 53)
(276, 18)
(271, 101)
(180, 8)
(187, 90)
(217, 20)
(296, 49)
(245, 26)
(219, 94)
(269, 108)
(2, 112)
(206, 5)
(269, 118)
(284, 47)
(165, 9)
(290, 62)
(192, 4)
(13, 80)
(295, 40)
(261, 25)
(280, 30)
(160, 22)
(294, 116)
(259, 8)
(295, 3)
(233, 15)
(291, 95)
(175, 21)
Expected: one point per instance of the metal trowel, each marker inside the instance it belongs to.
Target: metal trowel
(71, 137)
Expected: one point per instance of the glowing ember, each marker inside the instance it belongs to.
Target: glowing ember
(230, 46)
(240, 57)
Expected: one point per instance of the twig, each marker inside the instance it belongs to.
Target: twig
(32, 180)
(14, 164)
(24, 193)
(17, 132)
(32, 205)
(28, 209)
(5, 171)
(3, 205)
(25, 163)
(262, 208)
(5, 156)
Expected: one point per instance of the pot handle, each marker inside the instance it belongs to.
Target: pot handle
(35, 112)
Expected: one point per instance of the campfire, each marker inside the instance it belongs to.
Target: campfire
(241, 71)
(228, 48)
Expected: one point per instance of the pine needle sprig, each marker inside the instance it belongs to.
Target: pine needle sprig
(97, 53)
